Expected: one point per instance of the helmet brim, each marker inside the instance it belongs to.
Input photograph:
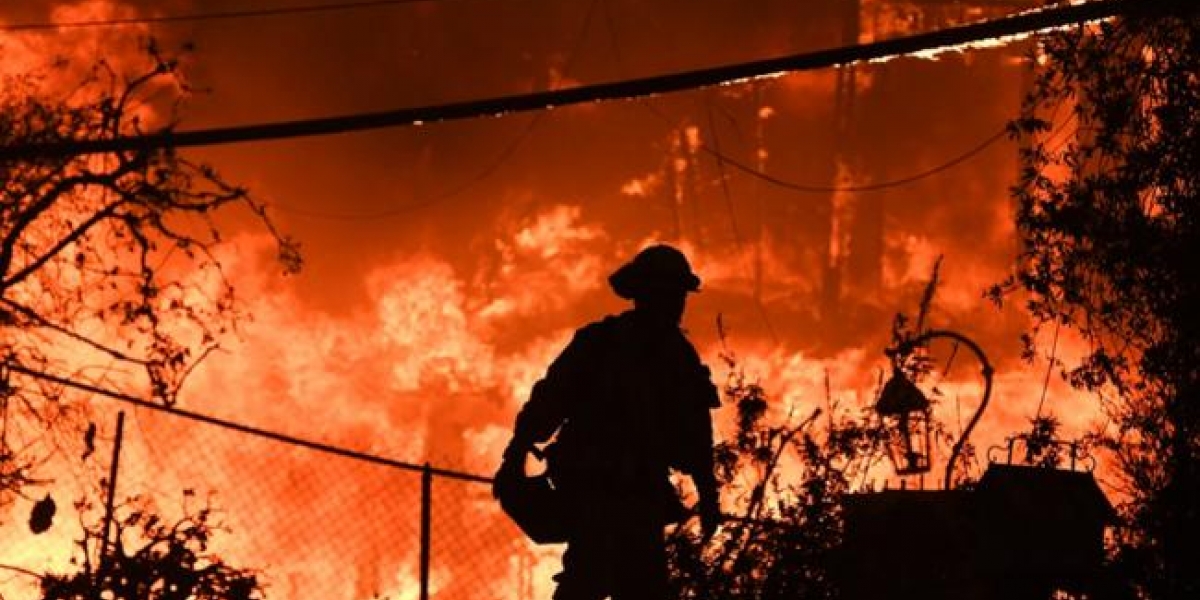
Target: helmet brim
(632, 281)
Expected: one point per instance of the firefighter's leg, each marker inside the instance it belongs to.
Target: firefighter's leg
(640, 566)
(586, 570)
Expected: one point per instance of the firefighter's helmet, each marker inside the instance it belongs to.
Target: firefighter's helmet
(658, 267)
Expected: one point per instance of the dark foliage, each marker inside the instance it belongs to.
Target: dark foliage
(109, 272)
(149, 558)
(1107, 212)
(783, 483)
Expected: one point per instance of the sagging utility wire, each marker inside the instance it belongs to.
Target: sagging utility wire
(944, 39)
(868, 187)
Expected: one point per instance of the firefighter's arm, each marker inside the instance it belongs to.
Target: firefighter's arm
(538, 419)
(699, 463)
(549, 400)
(706, 481)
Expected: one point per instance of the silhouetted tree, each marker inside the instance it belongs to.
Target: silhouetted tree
(1108, 214)
(107, 264)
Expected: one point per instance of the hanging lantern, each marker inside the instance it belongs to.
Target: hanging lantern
(907, 420)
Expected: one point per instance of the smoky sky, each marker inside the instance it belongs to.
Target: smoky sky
(408, 233)
(358, 200)
(460, 175)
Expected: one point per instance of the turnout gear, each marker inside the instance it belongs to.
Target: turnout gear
(627, 401)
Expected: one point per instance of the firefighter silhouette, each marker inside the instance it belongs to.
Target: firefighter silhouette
(629, 400)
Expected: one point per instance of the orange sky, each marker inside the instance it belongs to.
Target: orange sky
(446, 264)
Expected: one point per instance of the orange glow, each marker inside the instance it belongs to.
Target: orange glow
(417, 335)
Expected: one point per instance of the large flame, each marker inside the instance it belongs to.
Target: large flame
(418, 334)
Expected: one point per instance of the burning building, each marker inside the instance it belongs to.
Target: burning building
(447, 263)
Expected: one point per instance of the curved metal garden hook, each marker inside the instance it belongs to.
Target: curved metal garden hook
(987, 371)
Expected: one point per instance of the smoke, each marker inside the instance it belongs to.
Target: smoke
(447, 265)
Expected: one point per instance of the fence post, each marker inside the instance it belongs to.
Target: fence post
(108, 503)
(426, 520)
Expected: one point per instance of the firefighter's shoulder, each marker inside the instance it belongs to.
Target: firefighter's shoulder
(597, 330)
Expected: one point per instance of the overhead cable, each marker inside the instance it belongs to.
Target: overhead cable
(244, 428)
(944, 39)
(869, 187)
(722, 159)
(209, 16)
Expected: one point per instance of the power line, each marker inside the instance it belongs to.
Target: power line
(247, 429)
(722, 158)
(870, 187)
(1017, 25)
(210, 16)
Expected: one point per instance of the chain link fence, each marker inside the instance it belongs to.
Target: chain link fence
(314, 520)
